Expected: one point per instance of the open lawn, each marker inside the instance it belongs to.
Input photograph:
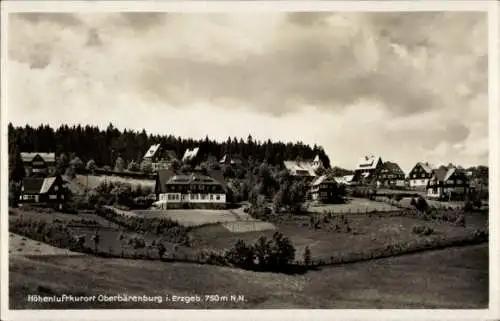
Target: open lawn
(453, 278)
(355, 205)
(92, 181)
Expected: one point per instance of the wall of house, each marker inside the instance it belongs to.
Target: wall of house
(219, 198)
(416, 182)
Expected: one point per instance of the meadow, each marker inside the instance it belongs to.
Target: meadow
(452, 278)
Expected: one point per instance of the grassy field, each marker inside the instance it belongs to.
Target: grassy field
(92, 181)
(367, 232)
(355, 205)
(454, 278)
(20, 245)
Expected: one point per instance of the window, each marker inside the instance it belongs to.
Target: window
(203, 196)
(217, 197)
(459, 181)
(56, 188)
(211, 197)
(53, 197)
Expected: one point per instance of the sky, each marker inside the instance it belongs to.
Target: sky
(408, 86)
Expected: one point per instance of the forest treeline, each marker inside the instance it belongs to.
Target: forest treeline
(105, 146)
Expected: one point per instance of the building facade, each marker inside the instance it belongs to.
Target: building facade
(194, 188)
(391, 175)
(448, 183)
(43, 190)
(420, 174)
(327, 189)
(367, 170)
(39, 164)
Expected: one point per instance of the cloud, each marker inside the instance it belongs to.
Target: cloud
(408, 85)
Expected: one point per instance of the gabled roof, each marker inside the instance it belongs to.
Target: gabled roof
(443, 173)
(38, 185)
(368, 162)
(300, 168)
(427, 167)
(47, 183)
(189, 154)
(392, 168)
(152, 150)
(47, 157)
(327, 179)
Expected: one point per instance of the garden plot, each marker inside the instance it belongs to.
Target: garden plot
(248, 226)
(192, 217)
(355, 206)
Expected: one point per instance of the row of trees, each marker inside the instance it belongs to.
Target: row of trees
(105, 146)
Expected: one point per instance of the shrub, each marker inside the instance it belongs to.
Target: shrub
(422, 230)
(241, 254)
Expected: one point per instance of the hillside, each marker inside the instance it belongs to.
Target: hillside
(414, 281)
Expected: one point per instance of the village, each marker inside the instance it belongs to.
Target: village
(195, 181)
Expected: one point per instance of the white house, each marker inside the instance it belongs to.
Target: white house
(194, 188)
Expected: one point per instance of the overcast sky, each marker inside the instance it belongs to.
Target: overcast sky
(408, 87)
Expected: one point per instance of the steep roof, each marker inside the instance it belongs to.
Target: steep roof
(300, 168)
(327, 179)
(443, 173)
(38, 185)
(233, 160)
(47, 157)
(368, 162)
(152, 150)
(47, 183)
(427, 167)
(189, 154)
(392, 168)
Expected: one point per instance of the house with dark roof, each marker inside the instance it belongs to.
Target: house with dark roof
(391, 175)
(367, 170)
(448, 183)
(174, 190)
(39, 164)
(420, 174)
(327, 189)
(43, 190)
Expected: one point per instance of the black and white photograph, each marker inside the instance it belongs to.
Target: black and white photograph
(247, 159)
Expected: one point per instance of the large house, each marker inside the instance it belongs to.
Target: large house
(175, 190)
(159, 158)
(39, 164)
(420, 174)
(367, 170)
(303, 169)
(43, 190)
(391, 175)
(326, 189)
(448, 182)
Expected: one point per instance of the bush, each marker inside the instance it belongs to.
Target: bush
(422, 230)
(241, 254)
